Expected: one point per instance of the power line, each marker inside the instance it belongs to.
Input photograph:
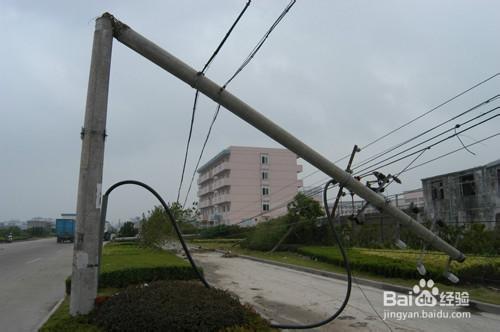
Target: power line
(201, 153)
(425, 148)
(243, 65)
(404, 170)
(205, 68)
(376, 156)
(452, 152)
(454, 128)
(260, 43)
(195, 102)
(431, 110)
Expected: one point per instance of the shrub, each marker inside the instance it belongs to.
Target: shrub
(402, 264)
(225, 231)
(156, 228)
(173, 306)
(266, 235)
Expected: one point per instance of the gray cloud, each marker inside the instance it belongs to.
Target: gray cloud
(333, 73)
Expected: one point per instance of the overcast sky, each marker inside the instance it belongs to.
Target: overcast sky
(334, 73)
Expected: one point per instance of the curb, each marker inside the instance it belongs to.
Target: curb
(476, 305)
(51, 312)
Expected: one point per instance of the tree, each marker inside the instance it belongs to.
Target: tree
(157, 229)
(128, 230)
(302, 213)
(304, 207)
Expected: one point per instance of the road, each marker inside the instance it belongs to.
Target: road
(32, 275)
(293, 297)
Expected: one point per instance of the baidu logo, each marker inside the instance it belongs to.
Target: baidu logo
(425, 293)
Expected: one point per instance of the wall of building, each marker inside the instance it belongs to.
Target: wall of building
(466, 196)
(234, 189)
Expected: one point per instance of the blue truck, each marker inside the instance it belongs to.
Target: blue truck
(65, 230)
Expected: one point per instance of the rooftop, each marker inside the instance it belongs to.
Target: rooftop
(488, 165)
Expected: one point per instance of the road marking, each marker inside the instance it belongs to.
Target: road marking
(33, 260)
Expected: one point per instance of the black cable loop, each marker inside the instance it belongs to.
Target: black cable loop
(202, 278)
(170, 216)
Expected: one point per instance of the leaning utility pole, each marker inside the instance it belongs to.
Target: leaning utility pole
(86, 252)
(88, 207)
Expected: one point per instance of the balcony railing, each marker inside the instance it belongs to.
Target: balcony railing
(220, 199)
(204, 177)
(205, 203)
(205, 190)
(221, 167)
(221, 183)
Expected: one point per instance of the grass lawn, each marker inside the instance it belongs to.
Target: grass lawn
(477, 291)
(123, 255)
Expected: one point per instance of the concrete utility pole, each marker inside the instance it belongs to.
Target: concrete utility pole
(179, 69)
(87, 240)
(87, 244)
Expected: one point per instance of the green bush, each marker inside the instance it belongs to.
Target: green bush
(225, 231)
(402, 264)
(266, 235)
(124, 264)
(174, 306)
(127, 230)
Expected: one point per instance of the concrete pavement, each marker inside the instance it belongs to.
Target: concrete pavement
(295, 297)
(32, 275)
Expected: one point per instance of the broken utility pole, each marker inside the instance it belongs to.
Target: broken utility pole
(86, 253)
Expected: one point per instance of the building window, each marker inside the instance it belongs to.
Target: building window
(265, 191)
(265, 175)
(265, 206)
(264, 159)
(437, 191)
(467, 185)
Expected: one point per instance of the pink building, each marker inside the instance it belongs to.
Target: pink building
(247, 184)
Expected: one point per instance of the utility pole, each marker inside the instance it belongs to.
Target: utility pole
(86, 258)
(88, 229)
(217, 93)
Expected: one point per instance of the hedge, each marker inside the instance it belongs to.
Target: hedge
(124, 264)
(161, 306)
(172, 306)
(402, 264)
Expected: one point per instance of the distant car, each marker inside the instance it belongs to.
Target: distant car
(9, 237)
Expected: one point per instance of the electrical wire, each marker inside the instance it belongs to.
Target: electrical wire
(434, 137)
(195, 102)
(431, 110)
(452, 152)
(378, 155)
(242, 66)
(425, 148)
(260, 43)
(201, 153)
(200, 275)
(347, 268)
(171, 217)
(463, 145)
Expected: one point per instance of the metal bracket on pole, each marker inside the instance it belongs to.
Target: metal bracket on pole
(341, 187)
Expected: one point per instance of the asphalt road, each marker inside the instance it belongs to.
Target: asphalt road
(32, 275)
(292, 297)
